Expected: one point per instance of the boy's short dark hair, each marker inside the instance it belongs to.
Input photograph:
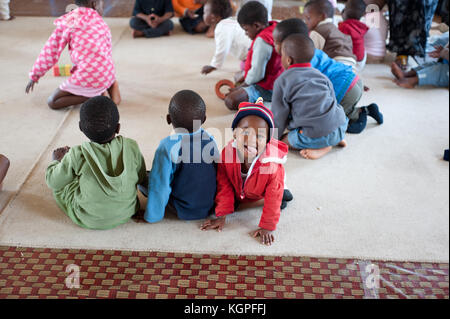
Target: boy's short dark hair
(291, 26)
(300, 47)
(322, 6)
(99, 118)
(253, 12)
(221, 8)
(355, 9)
(82, 3)
(185, 107)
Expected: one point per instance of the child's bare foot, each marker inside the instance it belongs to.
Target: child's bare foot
(137, 34)
(397, 71)
(314, 154)
(114, 93)
(366, 88)
(343, 143)
(407, 83)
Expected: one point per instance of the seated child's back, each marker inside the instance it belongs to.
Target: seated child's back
(183, 176)
(95, 183)
(325, 35)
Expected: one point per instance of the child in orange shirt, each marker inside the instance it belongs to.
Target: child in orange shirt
(191, 15)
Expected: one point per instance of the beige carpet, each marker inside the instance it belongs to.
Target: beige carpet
(384, 197)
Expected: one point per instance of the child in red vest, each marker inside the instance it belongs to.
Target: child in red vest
(251, 170)
(353, 12)
(263, 65)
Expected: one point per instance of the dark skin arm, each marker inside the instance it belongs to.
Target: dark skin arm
(30, 86)
(59, 153)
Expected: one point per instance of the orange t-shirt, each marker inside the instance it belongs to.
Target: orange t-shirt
(180, 6)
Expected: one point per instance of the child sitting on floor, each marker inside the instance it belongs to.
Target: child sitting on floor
(318, 15)
(95, 183)
(90, 48)
(4, 166)
(151, 18)
(263, 64)
(433, 73)
(251, 170)
(304, 102)
(348, 87)
(191, 15)
(183, 176)
(352, 26)
(229, 36)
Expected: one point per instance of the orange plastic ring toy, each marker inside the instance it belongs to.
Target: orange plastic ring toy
(220, 85)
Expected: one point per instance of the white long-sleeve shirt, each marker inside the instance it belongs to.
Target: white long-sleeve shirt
(230, 39)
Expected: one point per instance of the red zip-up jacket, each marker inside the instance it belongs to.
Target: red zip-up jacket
(265, 180)
(357, 30)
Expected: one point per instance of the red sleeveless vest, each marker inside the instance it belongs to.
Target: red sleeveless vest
(274, 67)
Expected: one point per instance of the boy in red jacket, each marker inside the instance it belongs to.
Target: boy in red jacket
(251, 169)
(353, 12)
(263, 64)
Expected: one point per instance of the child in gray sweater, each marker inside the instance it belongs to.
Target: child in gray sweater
(304, 102)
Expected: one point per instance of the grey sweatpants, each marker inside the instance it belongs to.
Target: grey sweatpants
(351, 100)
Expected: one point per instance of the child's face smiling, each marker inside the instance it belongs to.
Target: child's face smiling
(251, 137)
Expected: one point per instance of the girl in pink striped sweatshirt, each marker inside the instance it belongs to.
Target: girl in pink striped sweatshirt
(90, 48)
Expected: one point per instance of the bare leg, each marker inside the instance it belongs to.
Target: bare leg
(4, 166)
(62, 99)
(407, 83)
(114, 93)
(137, 34)
(314, 154)
(234, 98)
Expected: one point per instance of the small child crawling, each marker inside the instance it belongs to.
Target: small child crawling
(251, 170)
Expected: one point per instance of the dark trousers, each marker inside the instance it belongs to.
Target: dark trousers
(140, 25)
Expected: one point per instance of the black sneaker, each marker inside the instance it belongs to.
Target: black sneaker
(287, 196)
(283, 204)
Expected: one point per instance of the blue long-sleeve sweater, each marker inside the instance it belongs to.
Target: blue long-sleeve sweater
(184, 175)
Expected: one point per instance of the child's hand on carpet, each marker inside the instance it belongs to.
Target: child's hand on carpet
(218, 224)
(139, 216)
(59, 153)
(207, 69)
(267, 237)
(30, 86)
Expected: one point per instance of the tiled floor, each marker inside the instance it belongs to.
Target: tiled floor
(52, 273)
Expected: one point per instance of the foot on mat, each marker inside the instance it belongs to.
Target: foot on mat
(374, 112)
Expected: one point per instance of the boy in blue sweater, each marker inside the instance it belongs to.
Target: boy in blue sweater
(346, 84)
(183, 176)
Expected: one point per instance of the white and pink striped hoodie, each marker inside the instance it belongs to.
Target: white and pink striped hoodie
(90, 48)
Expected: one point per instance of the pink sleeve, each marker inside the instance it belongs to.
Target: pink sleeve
(50, 54)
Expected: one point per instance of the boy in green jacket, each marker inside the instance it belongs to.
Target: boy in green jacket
(95, 183)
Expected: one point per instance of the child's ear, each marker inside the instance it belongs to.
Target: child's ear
(169, 119)
(290, 61)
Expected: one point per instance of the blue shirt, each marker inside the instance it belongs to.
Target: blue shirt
(158, 7)
(184, 175)
(340, 75)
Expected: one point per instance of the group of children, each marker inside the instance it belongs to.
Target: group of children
(306, 70)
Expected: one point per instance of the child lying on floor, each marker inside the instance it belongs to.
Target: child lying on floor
(318, 16)
(304, 102)
(251, 170)
(229, 36)
(263, 64)
(348, 87)
(90, 48)
(183, 176)
(95, 183)
(4, 166)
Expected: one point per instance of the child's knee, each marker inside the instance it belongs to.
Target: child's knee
(231, 103)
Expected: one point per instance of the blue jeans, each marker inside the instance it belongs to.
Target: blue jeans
(254, 92)
(299, 141)
(434, 73)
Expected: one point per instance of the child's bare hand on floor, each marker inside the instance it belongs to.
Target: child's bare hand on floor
(30, 86)
(59, 153)
(437, 52)
(218, 224)
(139, 216)
(267, 237)
(207, 69)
